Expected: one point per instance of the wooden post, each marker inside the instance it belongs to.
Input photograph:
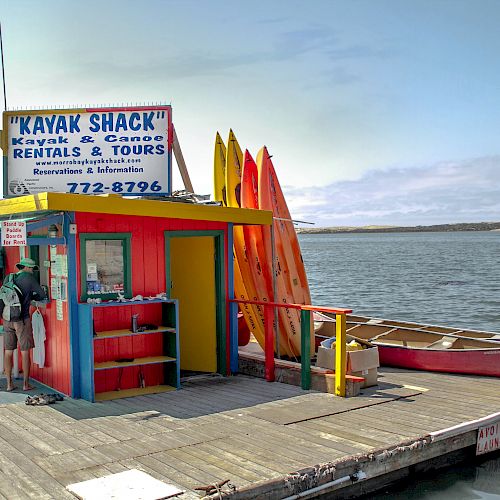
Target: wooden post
(269, 343)
(305, 348)
(340, 354)
(179, 158)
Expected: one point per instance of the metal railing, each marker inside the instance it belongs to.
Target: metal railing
(305, 332)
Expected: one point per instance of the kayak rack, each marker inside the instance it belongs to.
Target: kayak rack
(305, 340)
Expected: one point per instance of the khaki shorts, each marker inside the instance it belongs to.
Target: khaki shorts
(21, 331)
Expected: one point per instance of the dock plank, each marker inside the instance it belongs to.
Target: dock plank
(255, 456)
(29, 476)
(219, 471)
(184, 473)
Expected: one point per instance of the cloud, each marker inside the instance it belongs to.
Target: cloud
(296, 42)
(451, 192)
(179, 63)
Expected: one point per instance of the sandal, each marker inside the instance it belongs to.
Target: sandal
(36, 400)
(43, 399)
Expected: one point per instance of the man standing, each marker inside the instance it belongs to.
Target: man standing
(21, 331)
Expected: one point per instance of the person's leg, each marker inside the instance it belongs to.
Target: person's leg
(26, 343)
(8, 357)
(25, 355)
(10, 342)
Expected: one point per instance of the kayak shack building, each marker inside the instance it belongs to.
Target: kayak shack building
(138, 281)
(112, 265)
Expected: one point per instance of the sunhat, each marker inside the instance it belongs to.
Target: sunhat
(27, 263)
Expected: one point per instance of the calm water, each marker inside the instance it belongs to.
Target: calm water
(438, 278)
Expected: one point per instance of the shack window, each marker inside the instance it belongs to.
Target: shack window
(105, 265)
(40, 254)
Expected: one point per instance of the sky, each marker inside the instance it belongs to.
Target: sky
(376, 112)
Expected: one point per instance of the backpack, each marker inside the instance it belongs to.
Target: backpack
(10, 299)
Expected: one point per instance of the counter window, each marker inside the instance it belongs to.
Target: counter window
(40, 254)
(105, 265)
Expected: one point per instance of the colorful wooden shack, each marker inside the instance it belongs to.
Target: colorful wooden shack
(113, 265)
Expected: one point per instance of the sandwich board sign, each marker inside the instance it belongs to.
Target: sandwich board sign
(126, 151)
(13, 233)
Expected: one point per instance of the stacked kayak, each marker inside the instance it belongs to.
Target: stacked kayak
(239, 181)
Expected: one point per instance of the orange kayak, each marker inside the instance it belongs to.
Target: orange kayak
(291, 279)
(255, 238)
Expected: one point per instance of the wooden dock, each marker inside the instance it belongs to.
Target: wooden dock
(271, 440)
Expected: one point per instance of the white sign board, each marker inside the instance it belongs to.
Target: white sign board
(488, 438)
(93, 151)
(13, 233)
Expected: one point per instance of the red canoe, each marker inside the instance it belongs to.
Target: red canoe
(421, 347)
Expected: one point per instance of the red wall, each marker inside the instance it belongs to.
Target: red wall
(56, 371)
(148, 279)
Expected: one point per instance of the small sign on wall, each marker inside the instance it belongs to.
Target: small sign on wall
(59, 310)
(14, 233)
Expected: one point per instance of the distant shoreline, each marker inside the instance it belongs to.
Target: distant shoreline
(437, 228)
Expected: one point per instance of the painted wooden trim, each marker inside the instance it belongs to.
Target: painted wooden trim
(24, 204)
(269, 366)
(43, 240)
(148, 360)
(73, 320)
(127, 261)
(221, 313)
(86, 352)
(177, 348)
(120, 334)
(220, 280)
(118, 205)
(130, 393)
(45, 222)
(305, 307)
(135, 303)
(233, 308)
(340, 354)
(305, 339)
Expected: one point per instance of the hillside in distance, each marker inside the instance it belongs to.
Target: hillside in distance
(466, 226)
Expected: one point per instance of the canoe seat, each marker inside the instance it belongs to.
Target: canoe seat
(443, 343)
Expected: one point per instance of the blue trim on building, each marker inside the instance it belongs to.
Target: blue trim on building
(42, 240)
(72, 306)
(45, 222)
(86, 351)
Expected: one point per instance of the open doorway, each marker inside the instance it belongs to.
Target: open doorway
(195, 277)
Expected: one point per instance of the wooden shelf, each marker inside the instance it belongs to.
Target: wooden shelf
(110, 334)
(114, 303)
(160, 351)
(129, 393)
(137, 361)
